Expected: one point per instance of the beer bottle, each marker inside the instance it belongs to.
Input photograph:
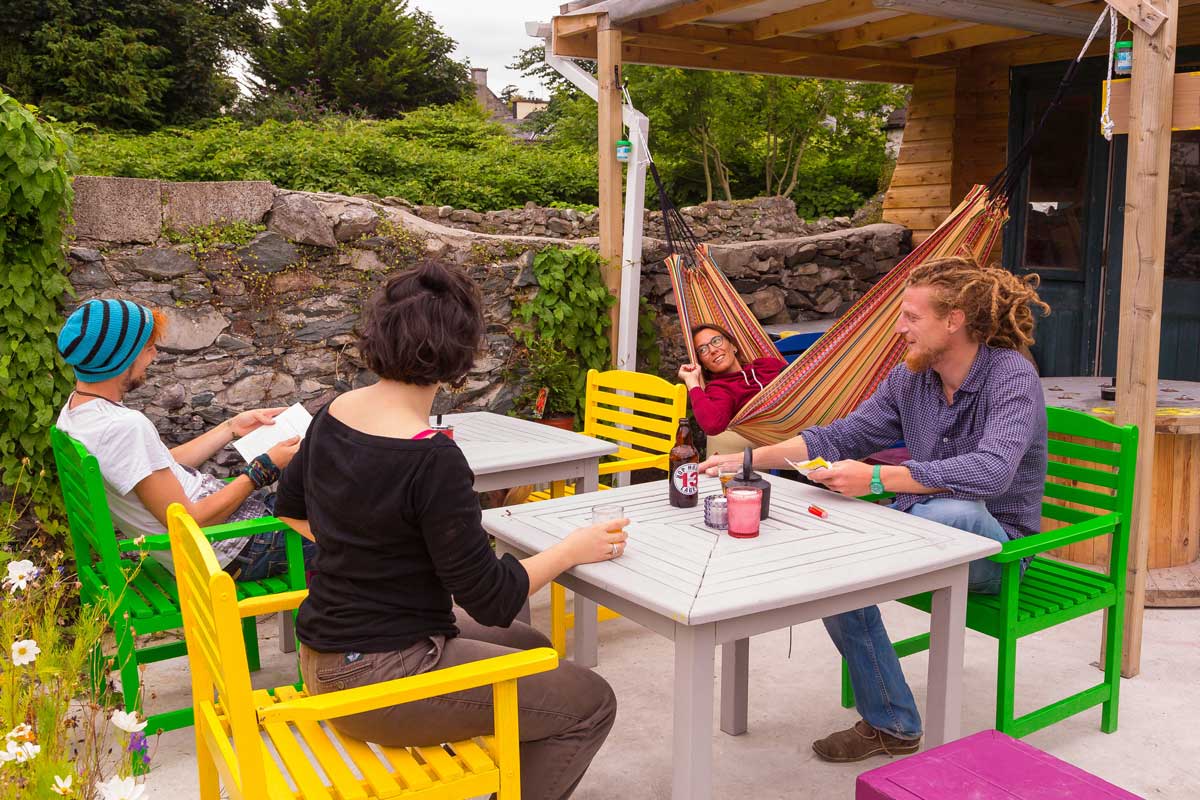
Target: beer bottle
(685, 468)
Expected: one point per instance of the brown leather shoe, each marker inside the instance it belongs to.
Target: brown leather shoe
(862, 741)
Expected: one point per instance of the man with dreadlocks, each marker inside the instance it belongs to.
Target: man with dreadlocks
(971, 410)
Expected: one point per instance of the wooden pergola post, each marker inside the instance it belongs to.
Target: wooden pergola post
(608, 75)
(1142, 261)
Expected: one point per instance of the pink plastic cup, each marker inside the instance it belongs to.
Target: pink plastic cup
(745, 504)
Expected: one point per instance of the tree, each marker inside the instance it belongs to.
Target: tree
(126, 63)
(374, 54)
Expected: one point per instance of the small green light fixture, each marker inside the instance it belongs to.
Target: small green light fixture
(1123, 58)
(624, 148)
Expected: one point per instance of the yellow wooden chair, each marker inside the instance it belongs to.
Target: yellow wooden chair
(235, 723)
(650, 414)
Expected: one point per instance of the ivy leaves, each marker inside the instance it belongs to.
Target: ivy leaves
(35, 199)
(569, 313)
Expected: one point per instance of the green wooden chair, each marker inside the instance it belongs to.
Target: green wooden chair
(1093, 498)
(140, 596)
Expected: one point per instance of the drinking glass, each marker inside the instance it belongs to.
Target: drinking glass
(726, 470)
(745, 506)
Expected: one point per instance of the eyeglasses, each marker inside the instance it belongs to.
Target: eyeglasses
(716, 341)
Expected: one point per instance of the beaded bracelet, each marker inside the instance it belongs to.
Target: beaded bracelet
(262, 471)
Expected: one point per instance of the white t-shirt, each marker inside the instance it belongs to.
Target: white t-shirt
(128, 448)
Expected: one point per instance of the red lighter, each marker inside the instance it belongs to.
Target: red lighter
(817, 511)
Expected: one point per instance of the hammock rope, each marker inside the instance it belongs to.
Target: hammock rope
(847, 364)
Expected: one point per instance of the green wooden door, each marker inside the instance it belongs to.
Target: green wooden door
(1058, 211)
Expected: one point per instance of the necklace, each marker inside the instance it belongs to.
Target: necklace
(98, 396)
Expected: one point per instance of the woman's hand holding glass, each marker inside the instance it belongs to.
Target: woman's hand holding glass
(600, 541)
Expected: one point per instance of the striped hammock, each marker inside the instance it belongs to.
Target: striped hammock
(845, 365)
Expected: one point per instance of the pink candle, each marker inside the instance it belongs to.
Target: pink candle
(745, 504)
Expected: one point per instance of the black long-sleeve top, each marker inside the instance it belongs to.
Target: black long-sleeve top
(398, 533)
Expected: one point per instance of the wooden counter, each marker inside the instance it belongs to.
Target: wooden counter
(1175, 537)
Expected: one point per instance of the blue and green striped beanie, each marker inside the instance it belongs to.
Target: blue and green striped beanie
(103, 337)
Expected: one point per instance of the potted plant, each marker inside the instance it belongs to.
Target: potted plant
(552, 387)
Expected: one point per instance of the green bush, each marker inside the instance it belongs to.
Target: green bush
(446, 155)
(35, 197)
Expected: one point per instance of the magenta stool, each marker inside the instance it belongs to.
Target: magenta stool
(985, 766)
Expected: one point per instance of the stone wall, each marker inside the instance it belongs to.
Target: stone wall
(719, 221)
(270, 321)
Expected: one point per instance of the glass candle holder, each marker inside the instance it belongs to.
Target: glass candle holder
(716, 512)
(745, 504)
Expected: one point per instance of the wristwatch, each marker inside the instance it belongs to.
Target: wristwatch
(876, 480)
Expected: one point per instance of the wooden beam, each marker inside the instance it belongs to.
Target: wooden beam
(680, 44)
(895, 29)
(829, 12)
(698, 10)
(1142, 263)
(608, 102)
(816, 67)
(1185, 103)
(1141, 13)
(572, 26)
(1029, 15)
(810, 46)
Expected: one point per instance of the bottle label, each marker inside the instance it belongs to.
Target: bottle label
(687, 478)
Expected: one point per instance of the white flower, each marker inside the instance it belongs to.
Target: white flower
(24, 751)
(24, 652)
(118, 788)
(127, 721)
(22, 731)
(19, 575)
(19, 752)
(62, 786)
(139, 540)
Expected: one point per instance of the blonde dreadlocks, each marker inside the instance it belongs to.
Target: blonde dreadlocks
(996, 303)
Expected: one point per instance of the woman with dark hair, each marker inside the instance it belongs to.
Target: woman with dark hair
(406, 581)
(729, 383)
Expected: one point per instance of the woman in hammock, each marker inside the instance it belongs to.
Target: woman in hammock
(730, 383)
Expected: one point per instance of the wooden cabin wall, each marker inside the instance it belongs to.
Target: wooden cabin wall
(919, 196)
(956, 134)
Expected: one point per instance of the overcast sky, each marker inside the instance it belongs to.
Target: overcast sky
(490, 33)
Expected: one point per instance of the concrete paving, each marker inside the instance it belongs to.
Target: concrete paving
(795, 699)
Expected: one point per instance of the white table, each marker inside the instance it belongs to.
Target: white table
(703, 588)
(506, 451)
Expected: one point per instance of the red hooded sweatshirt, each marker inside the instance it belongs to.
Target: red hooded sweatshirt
(725, 395)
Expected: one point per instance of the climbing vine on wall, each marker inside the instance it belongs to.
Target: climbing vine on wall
(35, 200)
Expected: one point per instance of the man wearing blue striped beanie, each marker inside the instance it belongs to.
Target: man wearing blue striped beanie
(110, 344)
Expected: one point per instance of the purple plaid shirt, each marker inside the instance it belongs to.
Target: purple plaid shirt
(989, 445)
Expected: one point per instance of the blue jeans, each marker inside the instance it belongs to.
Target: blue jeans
(881, 693)
(265, 556)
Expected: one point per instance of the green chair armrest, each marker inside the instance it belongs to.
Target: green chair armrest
(875, 498)
(214, 533)
(1039, 543)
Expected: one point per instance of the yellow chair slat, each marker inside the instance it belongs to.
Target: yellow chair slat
(630, 438)
(662, 428)
(634, 462)
(474, 757)
(295, 760)
(627, 381)
(215, 735)
(410, 771)
(442, 764)
(377, 774)
(277, 785)
(345, 783)
(642, 404)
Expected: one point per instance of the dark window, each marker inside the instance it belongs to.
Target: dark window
(1056, 189)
